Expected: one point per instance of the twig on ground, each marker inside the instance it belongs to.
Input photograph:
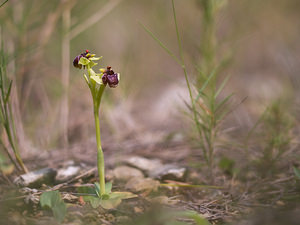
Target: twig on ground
(87, 173)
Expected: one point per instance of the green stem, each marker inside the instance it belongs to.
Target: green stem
(97, 95)
(100, 156)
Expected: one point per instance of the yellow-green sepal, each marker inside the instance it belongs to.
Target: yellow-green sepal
(97, 79)
(95, 58)
(84, 61)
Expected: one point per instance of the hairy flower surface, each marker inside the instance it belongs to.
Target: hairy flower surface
(110, 77)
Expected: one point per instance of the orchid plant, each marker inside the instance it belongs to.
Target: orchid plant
(97, 83)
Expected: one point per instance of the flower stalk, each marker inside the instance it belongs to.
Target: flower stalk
(100, 155)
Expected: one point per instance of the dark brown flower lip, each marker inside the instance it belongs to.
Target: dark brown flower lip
(76, 62)
(110, 77)
(113, 80)
(77, 59)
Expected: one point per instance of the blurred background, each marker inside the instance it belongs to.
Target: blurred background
(52, 104)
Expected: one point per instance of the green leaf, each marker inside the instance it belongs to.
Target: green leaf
(52, 200)
(84, 61)
(296, 172)
(199, 220)
(108, 187)
(105, 203)
(59, 211)
(90, 195)
(108, 200)
(122, 195)
(115, 199)
(105, 196)
(46, 199)
(97, 189)
(95, 202)
(110, 203)
(87, 190)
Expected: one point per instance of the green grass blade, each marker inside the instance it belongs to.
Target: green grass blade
(177, 31)
(224, 101)
(222, 86)
(3, 3)
(227, 112)
(200, 92)
(221, 116)
(8, 92)
(161, 44)
(203, 76)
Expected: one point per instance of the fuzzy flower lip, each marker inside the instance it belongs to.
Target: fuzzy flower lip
(86, 54)
(110, 77)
